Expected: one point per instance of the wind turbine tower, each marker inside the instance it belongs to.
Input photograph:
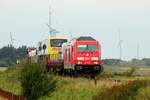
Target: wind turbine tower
(71, 37)
(50, 21)
(120, 45)
(138, 50)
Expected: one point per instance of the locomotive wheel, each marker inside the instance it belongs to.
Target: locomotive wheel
(61, 72)
(75, 73)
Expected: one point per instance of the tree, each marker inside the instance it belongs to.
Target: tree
(9, 55)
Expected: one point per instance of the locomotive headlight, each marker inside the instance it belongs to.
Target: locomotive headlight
(96, 62)
(80, 58)
(94, 58)
(79, 62)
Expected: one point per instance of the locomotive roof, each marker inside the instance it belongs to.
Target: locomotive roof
(84, 38)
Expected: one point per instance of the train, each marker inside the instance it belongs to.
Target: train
(79, 55)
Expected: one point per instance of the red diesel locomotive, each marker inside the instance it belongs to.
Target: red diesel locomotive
(82, 55)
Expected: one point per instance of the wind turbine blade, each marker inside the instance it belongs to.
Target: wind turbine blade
(47, 25)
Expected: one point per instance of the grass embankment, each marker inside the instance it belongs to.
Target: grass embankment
(85, 89)
(79, 88)
(9, 81)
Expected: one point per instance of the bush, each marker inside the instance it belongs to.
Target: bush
(130, 72)
(122, 92)
(144, 94)
(35, 81)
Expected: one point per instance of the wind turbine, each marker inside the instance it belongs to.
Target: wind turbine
(11, 39)
(52, 31)
(120, 45)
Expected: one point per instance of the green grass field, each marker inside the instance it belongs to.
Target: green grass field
(79, 88)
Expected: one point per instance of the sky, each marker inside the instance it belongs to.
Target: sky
(102, 19)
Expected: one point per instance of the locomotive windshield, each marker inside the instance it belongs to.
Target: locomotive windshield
(57, 42)
(87, 47)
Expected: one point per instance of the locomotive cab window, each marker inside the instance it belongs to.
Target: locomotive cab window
(57, 42)
(87, 47)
